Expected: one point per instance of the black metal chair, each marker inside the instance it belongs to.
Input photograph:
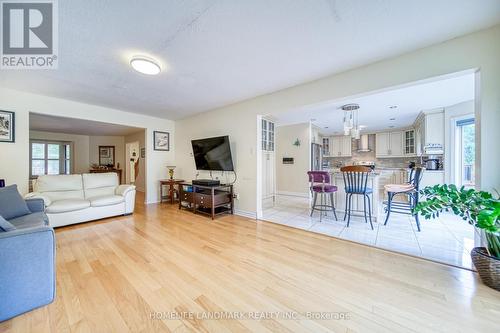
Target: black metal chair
(409, 189)
(356, 181)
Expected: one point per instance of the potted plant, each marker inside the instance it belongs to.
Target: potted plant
(478, 208)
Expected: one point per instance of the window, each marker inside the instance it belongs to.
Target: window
(50, 158)
(466, 151)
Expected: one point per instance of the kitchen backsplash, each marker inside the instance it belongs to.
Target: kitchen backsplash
(397, 162)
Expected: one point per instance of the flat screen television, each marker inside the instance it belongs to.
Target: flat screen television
(213, 154)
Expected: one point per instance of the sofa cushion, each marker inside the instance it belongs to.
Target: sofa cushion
(99, 184)
(38, 219)
(12, 204)
(60, 187)
(68, 205)
(5, 225)
(106, 200)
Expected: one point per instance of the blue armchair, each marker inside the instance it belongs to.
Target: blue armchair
(27, 262)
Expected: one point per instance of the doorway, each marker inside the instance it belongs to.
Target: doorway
(132, 164)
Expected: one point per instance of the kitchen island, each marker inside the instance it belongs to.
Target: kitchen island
(357, 208)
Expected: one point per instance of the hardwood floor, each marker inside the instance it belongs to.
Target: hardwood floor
(131, 273)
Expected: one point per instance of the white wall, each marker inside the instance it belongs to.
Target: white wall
(450, 115)
(479, 50)
(80, 153)
(14, 166)
(139, 137)
(292, 178)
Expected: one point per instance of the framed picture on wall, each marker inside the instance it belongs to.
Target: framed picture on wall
(7, 126)
(161, 141)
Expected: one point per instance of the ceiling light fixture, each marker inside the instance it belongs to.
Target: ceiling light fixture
(351, 120)
(145, 65)
(392, 118)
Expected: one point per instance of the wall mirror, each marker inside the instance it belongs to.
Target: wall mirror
(107, 155)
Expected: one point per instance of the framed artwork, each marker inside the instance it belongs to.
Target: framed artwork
(161, 141)
(107, 155)
(143, 152)
(7, 126)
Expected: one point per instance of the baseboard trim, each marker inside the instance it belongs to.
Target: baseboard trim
(244, 213)
(294, 194)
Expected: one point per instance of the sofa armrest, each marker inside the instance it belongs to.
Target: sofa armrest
(35, 205)
(27, 271)
(124, 189)
(38, 195)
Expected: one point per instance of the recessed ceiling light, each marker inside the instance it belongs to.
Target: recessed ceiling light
(393, 107)
(392, 118)
(145, 65)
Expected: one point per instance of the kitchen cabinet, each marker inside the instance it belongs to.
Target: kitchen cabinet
(429, 130)
(326, 146)
(391, 176)
(267, 135)
(389, 144)
(341, 146)
(431, 178)
(409, 142)
(434, 128)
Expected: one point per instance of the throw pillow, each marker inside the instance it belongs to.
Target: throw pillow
(6, 225)
(12, 205)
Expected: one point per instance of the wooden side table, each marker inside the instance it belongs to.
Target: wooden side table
(171, 183)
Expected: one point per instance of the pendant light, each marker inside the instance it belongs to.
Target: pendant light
(351, 121)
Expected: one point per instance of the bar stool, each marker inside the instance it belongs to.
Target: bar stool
(356, 181)
(320, 183)
(410, 189)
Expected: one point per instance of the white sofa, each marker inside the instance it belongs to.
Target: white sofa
(73, 199)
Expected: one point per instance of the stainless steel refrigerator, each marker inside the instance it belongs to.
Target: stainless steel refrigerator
(316, 157)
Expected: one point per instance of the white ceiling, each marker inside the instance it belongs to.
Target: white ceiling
(219, 52)
(375, 112)
(39, 122)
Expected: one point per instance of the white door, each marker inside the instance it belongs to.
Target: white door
(396, 144)
(382, 144)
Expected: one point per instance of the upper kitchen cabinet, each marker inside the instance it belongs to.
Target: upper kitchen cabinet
(409, 143)
(429, 132)
(389, 144)
(340, 146)
(326, 146)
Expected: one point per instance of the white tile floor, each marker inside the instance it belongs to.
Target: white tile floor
(447, 239)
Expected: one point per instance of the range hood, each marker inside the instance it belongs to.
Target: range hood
(363, 144)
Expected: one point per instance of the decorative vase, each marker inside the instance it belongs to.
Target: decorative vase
(171, 171)
(487, 266)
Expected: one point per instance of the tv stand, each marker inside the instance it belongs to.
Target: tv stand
(210, 200)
